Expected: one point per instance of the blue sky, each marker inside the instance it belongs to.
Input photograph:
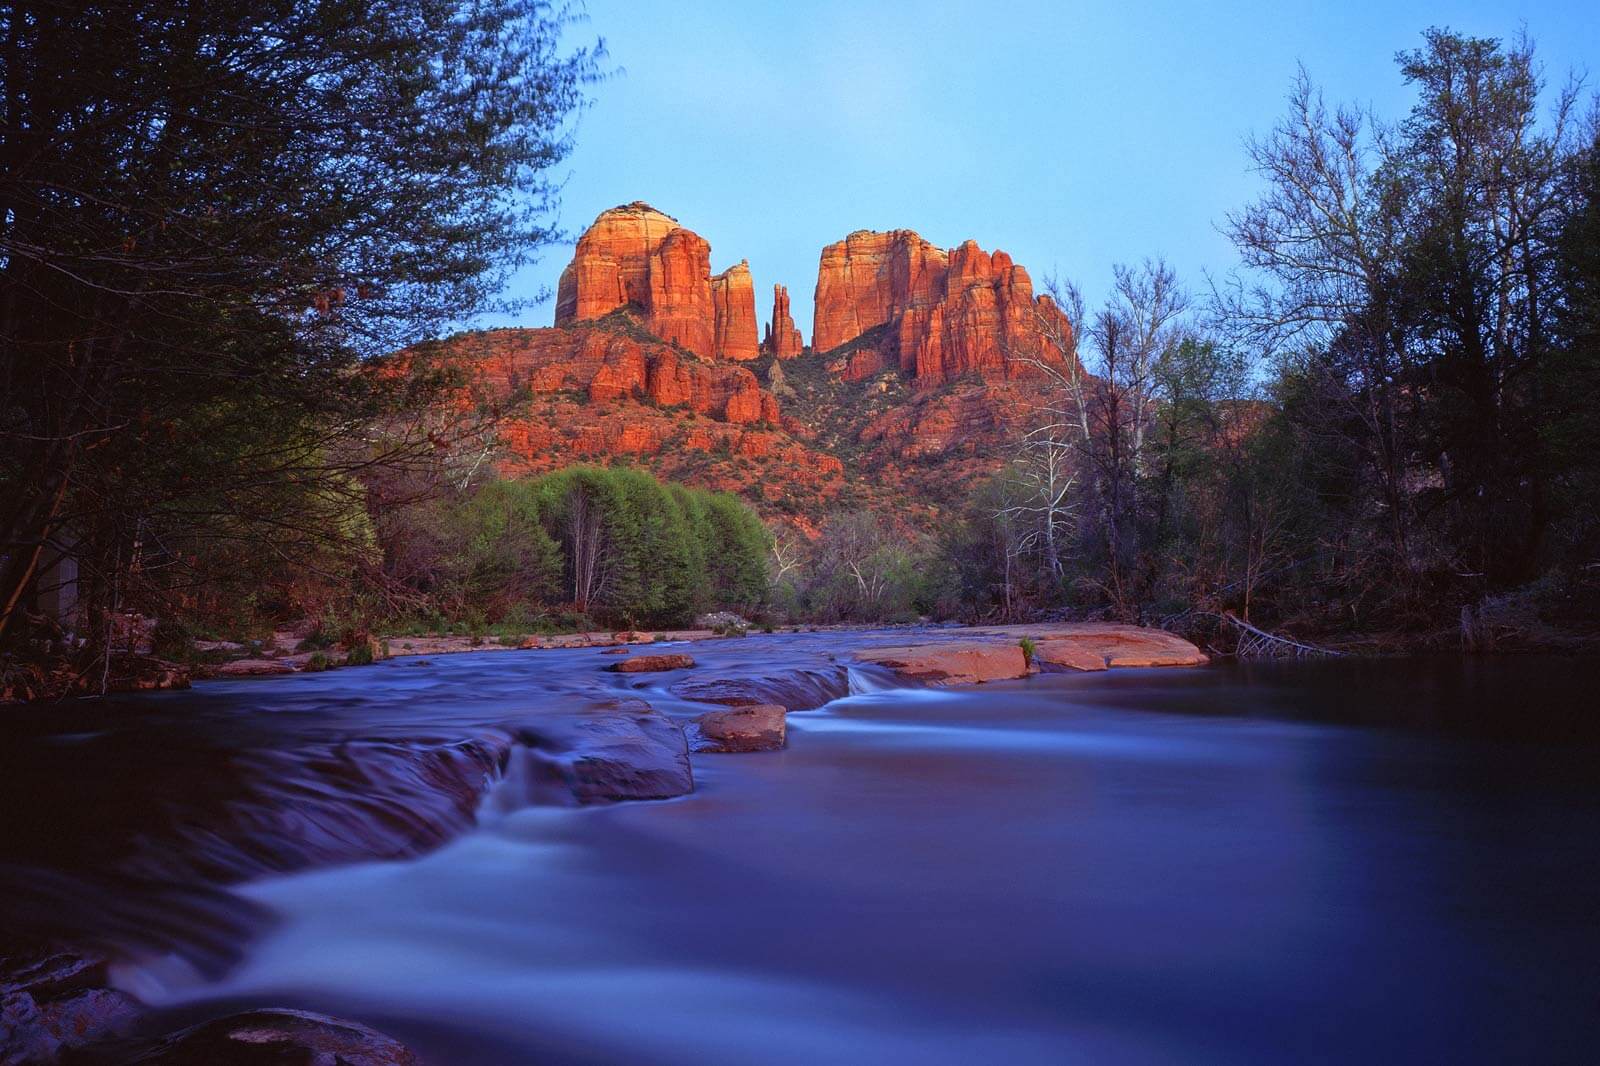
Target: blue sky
(1072, 135)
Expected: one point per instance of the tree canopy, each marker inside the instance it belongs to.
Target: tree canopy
(212, 218)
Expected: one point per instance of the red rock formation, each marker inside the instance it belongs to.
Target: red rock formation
(734, 296)
(941, 314)
(639, 664)
(635, 256)
(620, 261)
(681, 306)
(782, 340)
(609, 365)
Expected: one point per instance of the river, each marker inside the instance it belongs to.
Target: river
(1390, 861)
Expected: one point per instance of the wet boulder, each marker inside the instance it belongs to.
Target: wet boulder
(277, 1038)
(639, 664)
(753, 727)
(54, 1001)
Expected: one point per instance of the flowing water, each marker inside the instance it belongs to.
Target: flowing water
(1332, 862)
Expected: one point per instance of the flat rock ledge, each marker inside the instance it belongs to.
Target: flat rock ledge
(996, 654)
(639, 664)
(751, 727)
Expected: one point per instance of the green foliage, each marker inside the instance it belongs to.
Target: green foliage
(218, 218)
(317, 663)
(360, 654)
(586, 545)
(1028, 649)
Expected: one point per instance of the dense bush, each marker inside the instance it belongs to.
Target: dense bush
(609, 544)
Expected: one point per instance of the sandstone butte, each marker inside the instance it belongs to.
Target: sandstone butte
(635, 256)
(911, 391)
(783, 340)
(734, 296)
(942, 314)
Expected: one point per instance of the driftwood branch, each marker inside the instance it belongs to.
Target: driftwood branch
(1256, 643)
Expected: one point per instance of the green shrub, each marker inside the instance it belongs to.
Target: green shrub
(1028, 648)
(360, 654)
(317, 663)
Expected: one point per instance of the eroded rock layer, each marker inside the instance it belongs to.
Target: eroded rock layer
(638, 258)
(937, 314)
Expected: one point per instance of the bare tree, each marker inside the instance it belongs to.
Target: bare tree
(785, 554)
(1039, 505)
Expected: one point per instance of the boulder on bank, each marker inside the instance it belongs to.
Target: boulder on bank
(277, 1038)
(952, 663)
(639, 664)
(144, 673)
(753, 727)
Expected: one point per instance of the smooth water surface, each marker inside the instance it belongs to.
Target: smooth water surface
(1337, 862)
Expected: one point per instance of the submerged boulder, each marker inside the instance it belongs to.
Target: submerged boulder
(800, 689)
(278, 1038)
(754, 727)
